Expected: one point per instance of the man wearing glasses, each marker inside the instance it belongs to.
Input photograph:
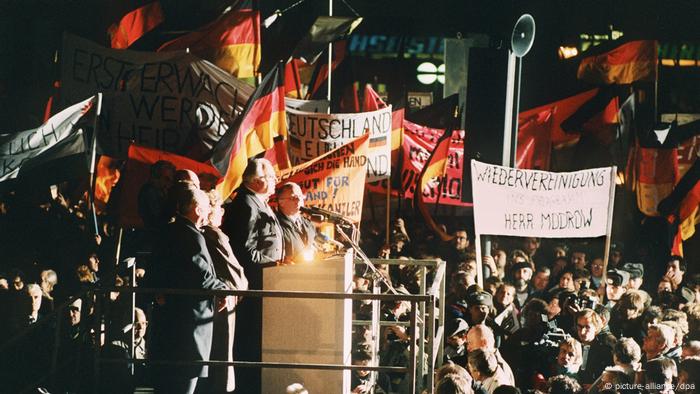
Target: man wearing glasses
(257, 242)
(299, 232)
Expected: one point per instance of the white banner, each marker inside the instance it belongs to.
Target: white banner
(313, 134)
(171, 101)
(531, 203)
(307, 105)
(20, 148)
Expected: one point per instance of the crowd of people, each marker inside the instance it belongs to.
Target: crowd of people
(551, 315)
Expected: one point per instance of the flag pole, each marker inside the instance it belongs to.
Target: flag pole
(93, 157)
(388, 209)
(295, 72)
(608, 229)
(330, 59)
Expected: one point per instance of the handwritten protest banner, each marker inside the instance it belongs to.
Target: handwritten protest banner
(417, 144)
(332, 181)
(28, 147)
(313, 134)
(171, 101)
(531, 203)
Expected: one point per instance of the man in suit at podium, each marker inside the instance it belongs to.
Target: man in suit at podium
(257, 242)
(299, 233)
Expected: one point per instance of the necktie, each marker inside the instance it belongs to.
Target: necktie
(300, 227)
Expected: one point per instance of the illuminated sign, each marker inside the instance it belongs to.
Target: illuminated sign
(381, 46)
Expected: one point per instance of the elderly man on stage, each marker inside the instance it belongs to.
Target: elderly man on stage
(257, 242)
(299, 233)
(182, 329)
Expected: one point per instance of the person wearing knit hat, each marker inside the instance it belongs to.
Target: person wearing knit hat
(615, 286)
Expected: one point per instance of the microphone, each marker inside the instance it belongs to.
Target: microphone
(331, 241)
(327, 215)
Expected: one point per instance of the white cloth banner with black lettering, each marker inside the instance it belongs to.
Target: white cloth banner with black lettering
(531, 203)
(313, 134)
(171, 101)
(27, 148)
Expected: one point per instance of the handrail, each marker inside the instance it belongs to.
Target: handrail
(413, 299)
(270, 293)
(253, 364)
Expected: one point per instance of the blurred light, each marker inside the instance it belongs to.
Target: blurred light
(427, 67)
(441, 73)
(427, 79)
(428, 73)
(620, 178)
(567, 52)
(307, 255)
(680, 62)
(271, 19)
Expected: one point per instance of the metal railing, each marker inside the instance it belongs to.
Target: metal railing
(427, 340)
(410, 370)
(427, 334)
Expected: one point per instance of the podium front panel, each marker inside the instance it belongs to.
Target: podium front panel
(302, 330)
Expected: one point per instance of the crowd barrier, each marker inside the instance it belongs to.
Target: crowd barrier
(425, 319)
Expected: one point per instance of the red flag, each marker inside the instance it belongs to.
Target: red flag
(135, 24)
(232, 42)
(350, 100)
(136, 175)
(565, 108)
(371, 100)
(535, 140)
(630, 62)
(262, 120)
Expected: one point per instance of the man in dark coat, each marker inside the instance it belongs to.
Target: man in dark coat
(598, 344)
(257, 242)
(299, 233)
(182, 329)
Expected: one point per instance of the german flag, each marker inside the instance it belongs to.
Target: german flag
(627, 63)
(232, 42)
(377, 141)
(681, 206)
(254, 131)
(292, 78)
(278, 155)
(396, 129)
(319, 78)
(435, 167)
(656, 174)
(135, 24)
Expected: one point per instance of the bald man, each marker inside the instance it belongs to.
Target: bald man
(480, 336)
(183, 325)
(257, 242)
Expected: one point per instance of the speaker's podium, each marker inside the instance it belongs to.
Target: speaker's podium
(304, 330)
